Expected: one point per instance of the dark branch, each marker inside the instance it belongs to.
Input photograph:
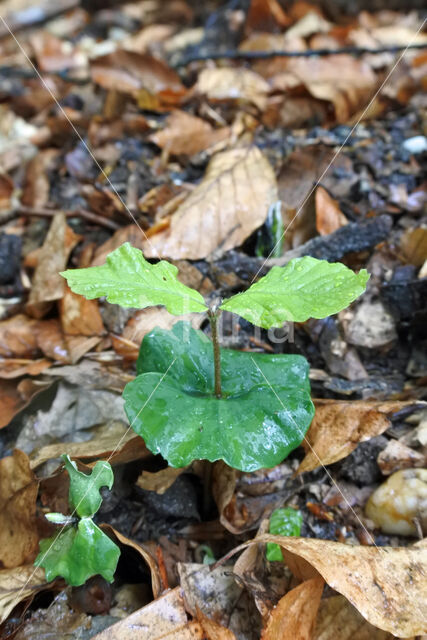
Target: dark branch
(265, 55)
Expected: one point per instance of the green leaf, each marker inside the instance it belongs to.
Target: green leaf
(305, 288)
(129, 280)
(84, 493)
(179, 416)
(283, 522)
(76, 554)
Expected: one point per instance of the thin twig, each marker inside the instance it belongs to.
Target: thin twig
(308, 53)
(78, 213)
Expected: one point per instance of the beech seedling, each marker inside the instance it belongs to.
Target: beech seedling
(80, 549)
(194, 400)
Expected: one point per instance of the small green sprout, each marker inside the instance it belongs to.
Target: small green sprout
(283, 522)
(80, 549)
(192, 399)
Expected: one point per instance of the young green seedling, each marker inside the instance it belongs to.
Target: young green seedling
(283, 522)
(192, 399)
(80, 550)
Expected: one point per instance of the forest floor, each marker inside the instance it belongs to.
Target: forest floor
(154, 123)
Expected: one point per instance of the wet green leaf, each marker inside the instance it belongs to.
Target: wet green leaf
(250, 427)
(305, 288)
(84, 494)
(283, 522)
(129, 280)
(76, 554)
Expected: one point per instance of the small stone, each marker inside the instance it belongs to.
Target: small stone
(396, 505)
(417, 144)
(372, 326)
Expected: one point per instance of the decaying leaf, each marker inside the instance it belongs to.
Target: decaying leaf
(17, 585)
(342, 80)
(17, 337)
(398, 456)
(146, 555)
(337, 618)
(102, 446)
(160, 481)
(232, 605)
(165, 618)
(338, 427)
(129, 72)
(187, 134)
(223, 210)
(414, 246)
(387, 585)
(213, 630)
(18, 494)
(47, 284)
(15, 367)
(227, 83)
(329, 216)
(80, 316)
(295, 614)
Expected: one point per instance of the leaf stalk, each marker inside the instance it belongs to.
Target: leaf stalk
(213, 315)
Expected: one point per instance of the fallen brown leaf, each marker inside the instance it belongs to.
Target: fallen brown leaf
(398, 456)
(329, 216)
(165, 618)
(147, 557)
(6, 190)
(102, 447)
(223, 210)
(338, 426)
(130, 72)
(80, 316)
(15, 367)
(213, 630)
(266, 15)
(17, 337)
(159, 481)
(414, 246)
(37, 185)
(296, 180)
(47, 284)
(10, 402)
(228, 83)
(346, 82)
(337, 618)
(295, 614)
(187, 134)
(18, 494)
(51, 340)
(386, 584)
(17, 585)
(143, 322)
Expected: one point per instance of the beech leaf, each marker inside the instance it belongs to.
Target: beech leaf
(84, 493)
(129, 280)
(305, 288)
(172, 404)
(76, 554)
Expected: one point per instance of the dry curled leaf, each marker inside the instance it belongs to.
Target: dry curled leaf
(231, 202)
(338, 427)
(164, 618)
(17, 585)
(187, 134)
(17, 337)
(295, 614)
(47, 284)
(329, 216)
(227, 83)
(80, 316)
(346, 82)
(159, 481)
(398, 456)
(387, 585)
(337, 618)
(146, 555)
(18, 493)
(130, 72)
